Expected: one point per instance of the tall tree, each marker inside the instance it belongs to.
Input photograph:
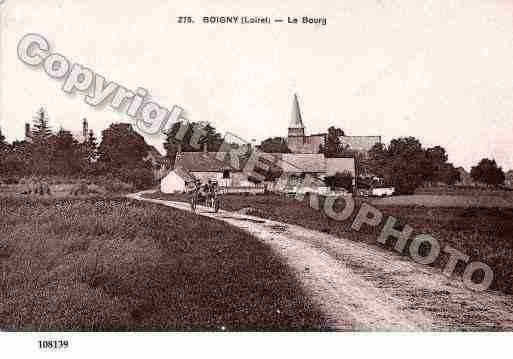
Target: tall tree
(91, 147)
(434, 164)
(333, 147)
(448, 174)
(41, 144)
(41, 130)
(402, 163)
(274, 145)
(191, 137)
(121, 146)
(488, 172)
(378, 160)
(65, 154)
(406, 169)
(211, 138)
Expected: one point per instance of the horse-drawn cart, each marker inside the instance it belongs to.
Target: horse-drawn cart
(210, 199)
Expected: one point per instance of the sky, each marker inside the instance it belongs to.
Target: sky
(440, 71)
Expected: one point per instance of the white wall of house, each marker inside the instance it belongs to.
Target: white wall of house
(172, 183)
(236, 179)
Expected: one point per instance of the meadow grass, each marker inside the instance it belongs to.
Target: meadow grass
(112, 264)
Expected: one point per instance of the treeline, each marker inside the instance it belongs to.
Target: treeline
(406, 165)
(121, 154)
(45, 153)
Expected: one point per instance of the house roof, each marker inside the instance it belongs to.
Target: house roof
(184, 174)
(302, 162)
(334, 165)
(202, 162)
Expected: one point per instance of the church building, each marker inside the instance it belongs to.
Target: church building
(299, 142)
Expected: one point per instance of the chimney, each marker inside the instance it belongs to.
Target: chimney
(84, 129)
(27, 131)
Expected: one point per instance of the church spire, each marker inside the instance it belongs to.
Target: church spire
(296, 120)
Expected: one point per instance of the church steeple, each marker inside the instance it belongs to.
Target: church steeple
(296, 127)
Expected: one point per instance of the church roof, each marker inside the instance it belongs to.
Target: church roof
(296, 120)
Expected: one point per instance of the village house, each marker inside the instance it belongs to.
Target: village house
(304, 166)
(178, 180)
(205, 166)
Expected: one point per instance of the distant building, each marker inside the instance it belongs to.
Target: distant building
(178, 180)
(509, 179)
(304, 166)
(299, 142)
(310, 169)
(206, 166)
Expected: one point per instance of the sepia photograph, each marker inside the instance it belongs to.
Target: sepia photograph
(199, 170)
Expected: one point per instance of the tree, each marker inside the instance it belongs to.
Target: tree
(406, 171)
(333, 147)
(340, 180)
(488, 172)
(448, 174)
(191, 137)
(211, 138)
(378, 160)
(18, 159)
(121, 146)
(402, 163)
(65, 154)
(434, 163)
(274, 145)
(41, 146)
(88, 153)
(41, 130)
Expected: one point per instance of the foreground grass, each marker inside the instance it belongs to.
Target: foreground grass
(485, 234)
(111, 264)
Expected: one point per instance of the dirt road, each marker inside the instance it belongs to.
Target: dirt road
(361, 287)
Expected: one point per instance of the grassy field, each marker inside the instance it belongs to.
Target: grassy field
(485, 234)
(465, 191)
(452, 200)
(112, 264)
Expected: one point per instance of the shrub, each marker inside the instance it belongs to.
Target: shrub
(140, 177)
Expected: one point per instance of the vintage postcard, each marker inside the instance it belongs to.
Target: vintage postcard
(209, 169)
